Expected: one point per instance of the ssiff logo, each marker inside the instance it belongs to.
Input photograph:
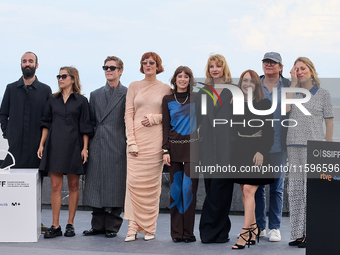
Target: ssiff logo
(326, 154)
(2, 183)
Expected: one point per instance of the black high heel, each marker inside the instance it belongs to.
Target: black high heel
(253, 242)
(296, 242)
(303, 244)
(239, 246)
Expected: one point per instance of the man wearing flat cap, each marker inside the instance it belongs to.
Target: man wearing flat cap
(272, 67)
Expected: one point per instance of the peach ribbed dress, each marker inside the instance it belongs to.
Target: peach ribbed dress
(144, 172)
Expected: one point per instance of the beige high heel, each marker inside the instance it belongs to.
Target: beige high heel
(132, 232)
(130, 238)
(149, 237)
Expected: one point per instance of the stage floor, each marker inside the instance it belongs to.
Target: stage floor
(162, 244)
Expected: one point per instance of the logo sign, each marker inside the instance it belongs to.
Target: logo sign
(208, 92)
(323, 160)
(238, 100)
(15, 204)
(316, 153)
(326, 153)
(2, 183)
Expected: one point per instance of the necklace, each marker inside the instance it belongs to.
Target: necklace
(184, 100)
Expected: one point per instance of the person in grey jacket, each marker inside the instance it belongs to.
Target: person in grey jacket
(105, 180)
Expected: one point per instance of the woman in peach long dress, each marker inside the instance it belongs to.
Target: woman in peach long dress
(143, 118)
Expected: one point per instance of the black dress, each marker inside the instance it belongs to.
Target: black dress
(254, 136)
(67, 123)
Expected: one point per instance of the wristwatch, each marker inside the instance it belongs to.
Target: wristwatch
(165, 152)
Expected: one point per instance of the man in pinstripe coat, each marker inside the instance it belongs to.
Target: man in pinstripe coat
(106, 171)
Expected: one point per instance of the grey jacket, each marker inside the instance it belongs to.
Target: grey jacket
(105, 179)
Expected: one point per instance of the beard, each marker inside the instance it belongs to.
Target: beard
(28, 72)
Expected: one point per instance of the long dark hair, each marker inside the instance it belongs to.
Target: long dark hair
(188, 72)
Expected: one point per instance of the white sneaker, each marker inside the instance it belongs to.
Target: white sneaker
(263, 232)
(274, 235)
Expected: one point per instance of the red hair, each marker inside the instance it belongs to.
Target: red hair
(155, 57)
(257, 81)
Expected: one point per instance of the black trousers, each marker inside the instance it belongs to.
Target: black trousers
(107, 219)
(215, 223)
(183, 192)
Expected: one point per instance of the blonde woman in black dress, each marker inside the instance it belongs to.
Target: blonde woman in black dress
(215, 149)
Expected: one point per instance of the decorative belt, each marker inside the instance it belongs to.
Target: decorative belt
(257, 134)
(184, 141)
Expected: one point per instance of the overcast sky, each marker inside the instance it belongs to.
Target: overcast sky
(185, 32)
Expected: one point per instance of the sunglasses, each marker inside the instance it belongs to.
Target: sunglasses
(269, 62)
(151, 62)
(63, 77)
(112, 68)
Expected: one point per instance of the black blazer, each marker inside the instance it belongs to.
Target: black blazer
(215, 142)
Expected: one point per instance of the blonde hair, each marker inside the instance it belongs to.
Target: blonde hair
(226, 71)
(310, 65)
(118, 61)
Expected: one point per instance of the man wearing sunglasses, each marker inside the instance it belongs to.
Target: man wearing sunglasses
(22, 107)
(106, 170)
(272, 78)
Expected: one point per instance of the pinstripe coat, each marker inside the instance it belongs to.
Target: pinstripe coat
(105, 179)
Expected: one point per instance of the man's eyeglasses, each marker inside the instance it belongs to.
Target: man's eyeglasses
(112, 68)
(151, 62)
(269, 62)
(63, 76)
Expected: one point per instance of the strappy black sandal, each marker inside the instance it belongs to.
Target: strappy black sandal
(239, 246)
(257, 235)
